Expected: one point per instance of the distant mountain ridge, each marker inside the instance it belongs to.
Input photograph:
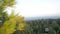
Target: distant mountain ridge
(42, 17)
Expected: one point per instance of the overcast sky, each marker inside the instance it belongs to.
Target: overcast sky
(31, 8)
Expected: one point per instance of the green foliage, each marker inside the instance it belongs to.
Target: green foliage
(8, 2)
(9, 25)
(52, 24)
(4, 3)
(3, 18)
(9, 21)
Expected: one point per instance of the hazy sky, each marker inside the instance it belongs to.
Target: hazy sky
(31, 8)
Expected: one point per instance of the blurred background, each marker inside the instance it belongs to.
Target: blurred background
(39, 17)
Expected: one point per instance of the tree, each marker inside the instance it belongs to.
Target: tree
(10, 21)
(3, 14)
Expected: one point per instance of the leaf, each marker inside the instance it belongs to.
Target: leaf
(8, 2)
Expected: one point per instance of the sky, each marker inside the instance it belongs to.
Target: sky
(33, 8)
